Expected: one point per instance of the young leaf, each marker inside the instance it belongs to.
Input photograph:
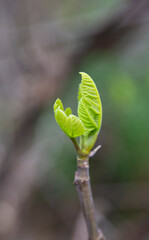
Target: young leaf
(89, 107)
(68, 122)
(68, 111)
(57, 104)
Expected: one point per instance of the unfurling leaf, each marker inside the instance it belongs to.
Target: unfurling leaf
(89, 107)
(89, 112)
(68, 122)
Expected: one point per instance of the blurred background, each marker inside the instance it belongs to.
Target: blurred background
(43, 46)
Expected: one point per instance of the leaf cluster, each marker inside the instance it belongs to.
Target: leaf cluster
(88, 123)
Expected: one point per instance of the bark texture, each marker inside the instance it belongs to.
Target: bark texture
(82, 183)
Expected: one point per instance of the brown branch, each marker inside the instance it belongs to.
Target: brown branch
(82, 183)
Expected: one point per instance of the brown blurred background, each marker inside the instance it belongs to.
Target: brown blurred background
(43, 46)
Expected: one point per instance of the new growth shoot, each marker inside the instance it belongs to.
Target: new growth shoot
(88, 123)
(86, 126)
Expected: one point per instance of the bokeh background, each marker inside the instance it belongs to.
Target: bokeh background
(43, 46)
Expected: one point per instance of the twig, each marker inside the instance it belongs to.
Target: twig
(82, 183)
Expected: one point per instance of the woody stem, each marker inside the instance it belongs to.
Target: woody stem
(82, 183)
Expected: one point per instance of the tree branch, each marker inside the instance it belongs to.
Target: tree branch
(82, 183)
